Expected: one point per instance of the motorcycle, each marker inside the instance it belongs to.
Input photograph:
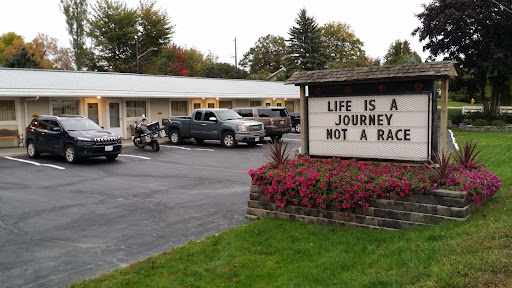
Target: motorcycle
(147, 135)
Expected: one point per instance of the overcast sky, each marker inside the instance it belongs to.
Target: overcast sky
(213, 25)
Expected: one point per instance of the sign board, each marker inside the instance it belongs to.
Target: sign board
(395, 126)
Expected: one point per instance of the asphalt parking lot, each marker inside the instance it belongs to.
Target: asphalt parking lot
(60, 223)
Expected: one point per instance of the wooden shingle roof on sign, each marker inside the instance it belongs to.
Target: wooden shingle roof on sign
(429, 70)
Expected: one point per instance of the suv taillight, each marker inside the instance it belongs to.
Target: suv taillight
(271, 122)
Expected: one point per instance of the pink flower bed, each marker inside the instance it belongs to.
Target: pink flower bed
(345, 185)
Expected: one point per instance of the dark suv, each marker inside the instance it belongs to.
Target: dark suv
(73, 137)
(276, 120)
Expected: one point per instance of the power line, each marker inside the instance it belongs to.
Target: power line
(502, 6)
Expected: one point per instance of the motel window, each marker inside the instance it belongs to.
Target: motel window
(65, 107)
(211, 105)
(7, 111)
(267, 104)
(179, 108)
(135, 108)
(226, 104)
(279, 104)
(254, 103)
(289, 106)
(197, 105)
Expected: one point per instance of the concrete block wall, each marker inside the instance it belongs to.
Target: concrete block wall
(394, 212)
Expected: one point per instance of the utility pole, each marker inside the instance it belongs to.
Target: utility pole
(236, 62)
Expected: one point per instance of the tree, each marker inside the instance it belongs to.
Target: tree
(342, 47)
(400, 53)
(76, 12)
(48, 53)
(113, 27)
(195, 62)
(22, 59)
(266, 55)
(214, 69)
(477, 34)
(122, 34)
(6, 40)
(155, 29)
(306, 51)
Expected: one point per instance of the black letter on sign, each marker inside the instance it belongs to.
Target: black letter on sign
(372, 105)
(363, 135)
(407, 134)
(380, 134)
(393, 105)
(329, 134)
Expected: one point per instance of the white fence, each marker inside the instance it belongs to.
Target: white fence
(471, 109)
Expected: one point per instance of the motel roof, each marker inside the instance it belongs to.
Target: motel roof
(429, 70)
(15, 82)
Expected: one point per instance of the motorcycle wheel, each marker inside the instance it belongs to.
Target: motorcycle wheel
(155, 146)
(138, 143)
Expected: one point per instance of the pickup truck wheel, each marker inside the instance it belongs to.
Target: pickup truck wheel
(175, 137)
(228, 139)
(297, 127)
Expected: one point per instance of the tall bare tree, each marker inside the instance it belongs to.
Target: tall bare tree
(76, 21)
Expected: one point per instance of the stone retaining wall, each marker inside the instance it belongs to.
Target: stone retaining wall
(484, 128)
(394, 212)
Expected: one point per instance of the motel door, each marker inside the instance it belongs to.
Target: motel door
(114, 117)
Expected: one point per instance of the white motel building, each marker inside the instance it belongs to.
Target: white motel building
(116, 100)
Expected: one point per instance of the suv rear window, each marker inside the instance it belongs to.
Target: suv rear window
(245, 112)
(276, 112)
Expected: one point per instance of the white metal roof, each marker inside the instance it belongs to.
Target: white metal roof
(58, 83)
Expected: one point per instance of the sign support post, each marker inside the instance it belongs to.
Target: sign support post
(304, 122)
(444, 115)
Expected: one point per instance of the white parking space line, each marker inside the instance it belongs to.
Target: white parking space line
(178, 147)
(203, 149)
(291, 139)
(53, 166)
(135, 156)
(35, 163)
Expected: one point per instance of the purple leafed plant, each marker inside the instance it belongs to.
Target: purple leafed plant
(277, 152)
(468, 155)
(441, 168)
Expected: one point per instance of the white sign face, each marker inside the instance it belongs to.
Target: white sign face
(379, 127)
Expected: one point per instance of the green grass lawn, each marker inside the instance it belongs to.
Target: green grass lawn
(279, 253)
(456, 104)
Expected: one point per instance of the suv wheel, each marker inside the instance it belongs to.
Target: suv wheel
(228, 139)
(32, 150)
(175, 137)
(297, 127)
(70, 154)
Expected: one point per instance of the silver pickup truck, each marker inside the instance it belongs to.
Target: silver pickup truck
(214, 124)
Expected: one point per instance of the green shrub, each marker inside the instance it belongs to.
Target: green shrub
(455, 115)
(498, 123)
(480, 122)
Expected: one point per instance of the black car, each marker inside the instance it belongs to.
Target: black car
(74, 137)
(295, 121)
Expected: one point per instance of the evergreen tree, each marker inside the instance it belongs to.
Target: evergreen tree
(400, 53)
(306, 51)
(22, 59)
